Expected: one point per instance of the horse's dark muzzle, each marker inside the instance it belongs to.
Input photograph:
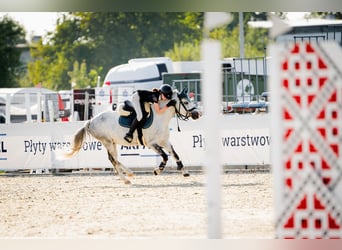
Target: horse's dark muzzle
(195, 114)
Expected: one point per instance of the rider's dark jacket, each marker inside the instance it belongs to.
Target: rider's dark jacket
(148, 96)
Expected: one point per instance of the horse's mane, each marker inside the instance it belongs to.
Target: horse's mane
(175, 93)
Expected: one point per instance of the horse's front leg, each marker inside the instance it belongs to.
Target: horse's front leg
(171, 150)
(159, 150)
(180, 165)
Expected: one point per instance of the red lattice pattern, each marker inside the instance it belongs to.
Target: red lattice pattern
(311, 103)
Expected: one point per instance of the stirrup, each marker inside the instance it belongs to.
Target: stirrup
(128, 138)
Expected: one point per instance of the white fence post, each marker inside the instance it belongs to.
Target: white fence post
(28, 107)
(39, 107)
(212, 92)
(8, 108)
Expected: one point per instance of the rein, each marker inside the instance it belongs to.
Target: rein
(181, 116)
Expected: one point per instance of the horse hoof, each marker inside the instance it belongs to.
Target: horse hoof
(156, 172)
(186, 174)
(128, 182)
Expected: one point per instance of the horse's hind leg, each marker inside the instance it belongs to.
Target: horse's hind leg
(127, 171)
(118, 169)
(111, 150)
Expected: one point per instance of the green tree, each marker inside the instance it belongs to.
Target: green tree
(189, 51)
(256, 39)
(49, 68)
(327, 15)
(54, 59)
(107, 39)
(81, 77)
(118, 37)
(11, 34)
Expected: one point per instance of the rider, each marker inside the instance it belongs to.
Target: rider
(140, 97)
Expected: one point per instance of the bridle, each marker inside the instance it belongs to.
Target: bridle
(188, 111)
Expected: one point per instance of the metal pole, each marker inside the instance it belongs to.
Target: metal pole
(241, 35)
(86, 106)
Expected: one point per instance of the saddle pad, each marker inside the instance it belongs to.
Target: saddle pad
(126, 121)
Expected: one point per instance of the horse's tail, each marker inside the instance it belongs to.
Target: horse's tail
(77, 141)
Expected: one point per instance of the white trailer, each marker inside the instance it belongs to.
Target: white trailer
(138, 73)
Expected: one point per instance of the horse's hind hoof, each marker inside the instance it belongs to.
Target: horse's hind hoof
(158, 171)
(186, 174)
(128, 182)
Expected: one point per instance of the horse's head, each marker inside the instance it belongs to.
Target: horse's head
(185, 107)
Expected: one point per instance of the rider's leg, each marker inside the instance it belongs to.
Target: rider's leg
(136, 104)
(129, 136)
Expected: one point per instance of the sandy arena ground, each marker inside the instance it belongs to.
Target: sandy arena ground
(101, 206)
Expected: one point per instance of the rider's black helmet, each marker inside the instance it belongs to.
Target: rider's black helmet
(167, 91)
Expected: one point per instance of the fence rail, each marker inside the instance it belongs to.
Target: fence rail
(244, 84)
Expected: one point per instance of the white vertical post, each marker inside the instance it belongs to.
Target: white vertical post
(98, 81)
(8, 108)
(211, 94)
(45, 110)
(39, 107)
(51, 111)
(28, 107)
(86, 106)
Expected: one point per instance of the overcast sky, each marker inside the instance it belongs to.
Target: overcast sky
(35, 23)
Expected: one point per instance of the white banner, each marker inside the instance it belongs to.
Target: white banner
(245, 140)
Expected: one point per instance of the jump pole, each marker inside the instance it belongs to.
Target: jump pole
(211, 95)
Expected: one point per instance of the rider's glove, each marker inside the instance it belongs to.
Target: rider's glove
(171, 103)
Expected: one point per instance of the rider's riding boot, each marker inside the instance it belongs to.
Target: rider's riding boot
(129, 136)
